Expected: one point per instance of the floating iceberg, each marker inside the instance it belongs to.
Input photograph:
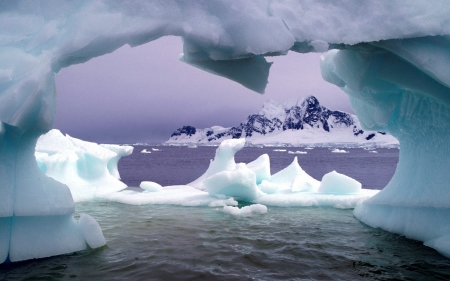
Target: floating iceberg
(393, 63)
(297, 152)
(261, 168)
(337, 183)
(239, 183)
(245, 211)
(225, 181)
(150, 186)
(337, 150)
(145, 151)
(88, 169)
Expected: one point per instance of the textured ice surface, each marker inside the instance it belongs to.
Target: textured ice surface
(293, 178)
(397, 80)
(91, 231)
(239, 183)
(44, 236)
(291, 187)
(401, 87)
(88, 169)
(181, 195)
(223, 161)
(337, 183)
(245, 211)
(261, 168)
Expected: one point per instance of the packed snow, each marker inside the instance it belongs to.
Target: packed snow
(393, 63)
(296, 122)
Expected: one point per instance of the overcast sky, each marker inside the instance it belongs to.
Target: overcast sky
(143, 94)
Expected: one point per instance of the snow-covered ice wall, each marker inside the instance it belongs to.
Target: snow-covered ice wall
(402, 84)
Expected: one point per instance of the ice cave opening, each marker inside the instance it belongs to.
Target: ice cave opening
(392, 61)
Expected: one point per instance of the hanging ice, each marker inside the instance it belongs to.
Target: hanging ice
(399, 85)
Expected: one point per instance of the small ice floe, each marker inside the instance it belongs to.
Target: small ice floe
(245, 211)
(192, 146)
(280, 150)
(337, 150)
(145, 151)
(308, 147)
(156, 149)
(150, 186)
(297, 152)
(337, 183)
(373, 151)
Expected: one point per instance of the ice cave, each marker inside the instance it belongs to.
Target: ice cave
(391, 58)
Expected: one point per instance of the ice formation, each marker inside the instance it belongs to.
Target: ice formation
(337, 150)
(225, 182)
(88, 169)
(393, 63)
(245, 211)
(337, 183)
(150, 186)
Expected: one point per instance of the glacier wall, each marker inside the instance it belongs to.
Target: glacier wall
(227, 38)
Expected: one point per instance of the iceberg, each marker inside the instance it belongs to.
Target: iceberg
(337, 150)
(400, 87)
(294, 178)
(245, 211)
(88, 169)
(150, 186)
(337, 183)
(393, 62)
(261, 168)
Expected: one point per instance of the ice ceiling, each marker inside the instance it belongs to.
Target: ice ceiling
(393, 62)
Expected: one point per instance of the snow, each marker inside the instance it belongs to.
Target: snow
(245, 211)
(396, 75)
(270, 128)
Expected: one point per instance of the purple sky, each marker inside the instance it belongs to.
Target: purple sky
(143, 94)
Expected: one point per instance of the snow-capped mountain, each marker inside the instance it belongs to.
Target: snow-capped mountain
(295, 122)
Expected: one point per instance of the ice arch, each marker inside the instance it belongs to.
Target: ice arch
(230, 38)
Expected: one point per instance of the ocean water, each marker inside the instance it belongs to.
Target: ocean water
(157, 242)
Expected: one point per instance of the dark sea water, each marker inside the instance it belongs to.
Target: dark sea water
(157, 242)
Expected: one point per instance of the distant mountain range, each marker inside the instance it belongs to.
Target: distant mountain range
(295, 122)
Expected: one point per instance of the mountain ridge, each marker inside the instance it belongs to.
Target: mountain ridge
(293, 122)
